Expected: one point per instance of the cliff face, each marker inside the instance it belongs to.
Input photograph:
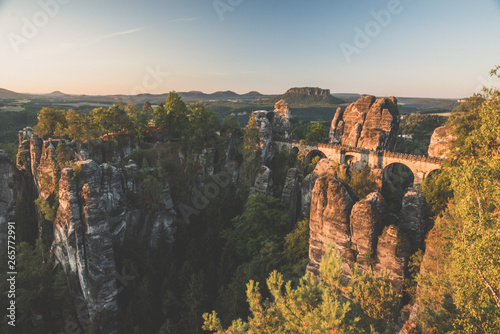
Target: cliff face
(331, 206)
(291, 195)
(95, 213)
(273, 125)
(309, 91)
(441, 141)
(368, 123)
(364, 231)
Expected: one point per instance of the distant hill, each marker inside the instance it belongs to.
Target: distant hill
(299, 97)
(308, 96)
(56, 94)
(7, 94)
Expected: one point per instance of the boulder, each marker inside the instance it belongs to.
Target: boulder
(381, 125)
(441, 141)
(368, 123)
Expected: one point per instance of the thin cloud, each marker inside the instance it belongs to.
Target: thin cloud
(120, 33)
(64, 47)
(185, 19)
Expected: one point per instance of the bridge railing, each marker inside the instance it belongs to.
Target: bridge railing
(385, 153)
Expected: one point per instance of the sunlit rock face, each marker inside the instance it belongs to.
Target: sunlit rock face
(282, 128)
(364, 231)
(331, 206)
(441, 141)
(367, 123)
(368, 217)
(307, 185)
(393, 252)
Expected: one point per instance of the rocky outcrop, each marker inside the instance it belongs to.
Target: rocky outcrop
(414, 221)
(324, 166)
(263, 181)
(99, 205)
(282, 127)
(364, 231)
(329, 220)
(291, 195)
(367, 219)
(337, 127)
(263, 119)
(309, 91)
(441, 141)
(7, 195)
(393, 252)
(368, 123)
(273, 125)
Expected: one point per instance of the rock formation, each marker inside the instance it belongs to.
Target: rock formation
(273, 125)
(263, 181)
(309, 91)
(263, 119)
(441, 141)
(413, 219)
(331, 206)
(368, 123)
(324, 166)
(393, 252)
(282, 128)
(291, 195)
(94, 215)
(364, 231)
(367, 219)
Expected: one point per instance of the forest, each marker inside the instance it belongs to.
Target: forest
(238, 266)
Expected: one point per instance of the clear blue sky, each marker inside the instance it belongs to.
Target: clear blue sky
(427, 48)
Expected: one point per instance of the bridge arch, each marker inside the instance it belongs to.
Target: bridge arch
(313, 154)
(397, 180)
(399, 173)
(420, 166)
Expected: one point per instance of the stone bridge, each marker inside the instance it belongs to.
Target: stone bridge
(421, 166)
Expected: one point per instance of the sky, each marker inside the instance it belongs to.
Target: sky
(404, 48)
